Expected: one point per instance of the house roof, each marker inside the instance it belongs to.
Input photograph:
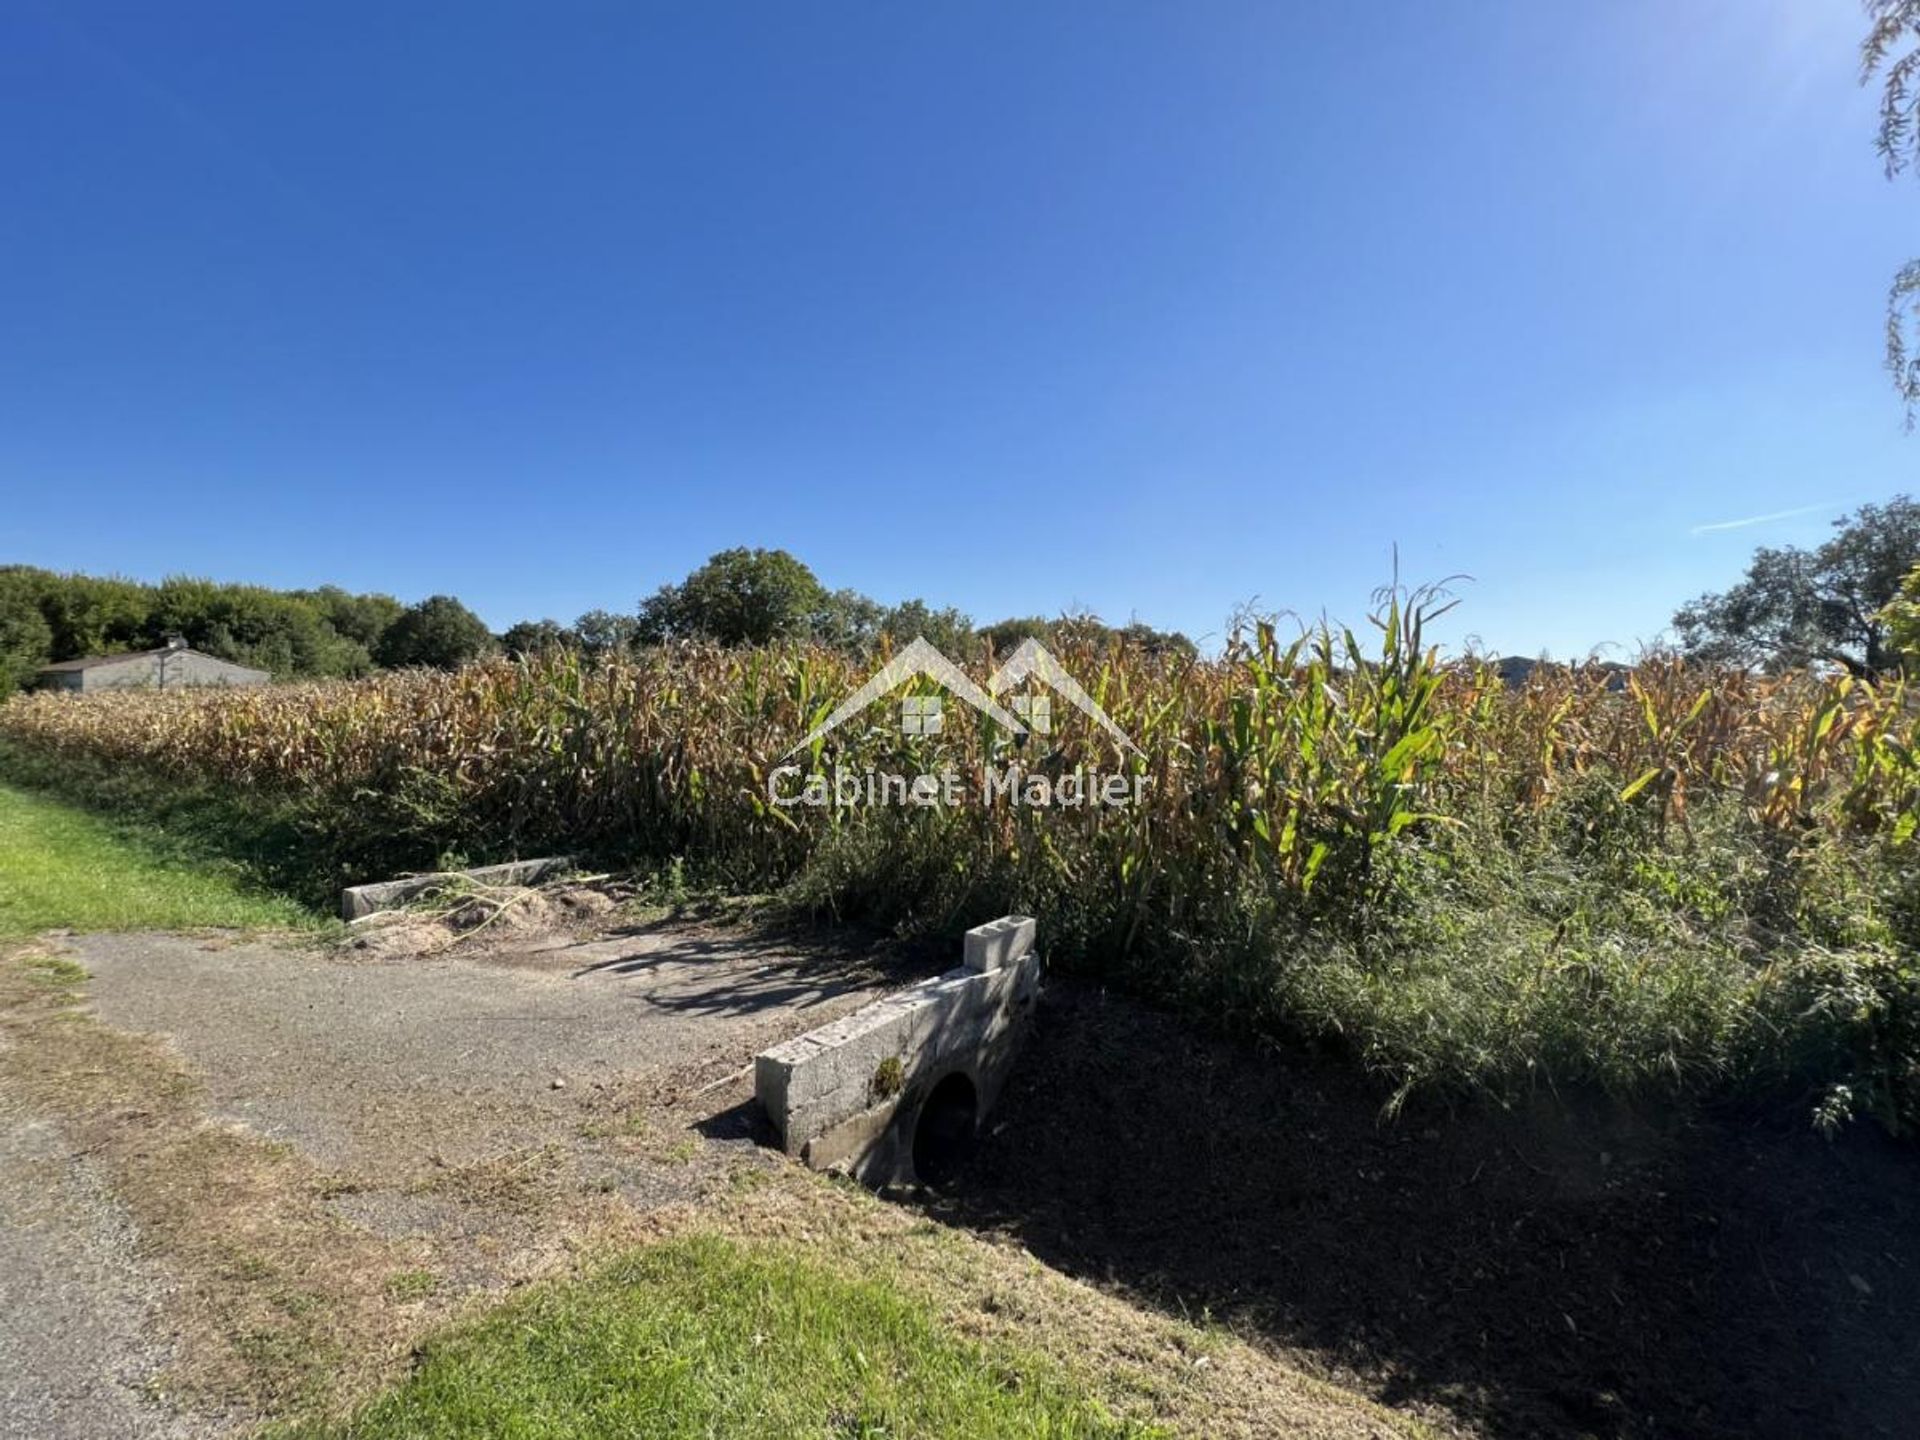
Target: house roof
(90, 661)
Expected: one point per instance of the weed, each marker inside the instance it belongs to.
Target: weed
(889, 1078)
(410, 1285)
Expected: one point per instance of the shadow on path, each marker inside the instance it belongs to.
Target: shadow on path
(742, 972)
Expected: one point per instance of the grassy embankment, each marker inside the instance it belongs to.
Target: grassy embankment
(710, 1337)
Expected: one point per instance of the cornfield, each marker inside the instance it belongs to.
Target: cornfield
(1645, 876)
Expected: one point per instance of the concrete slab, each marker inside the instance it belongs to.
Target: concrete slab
(359, 901)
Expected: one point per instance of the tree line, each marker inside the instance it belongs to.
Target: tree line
(739, 597)
(1853, 602)
(292, 634)
(758, 597)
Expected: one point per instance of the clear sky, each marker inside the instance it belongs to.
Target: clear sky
(1148, 308)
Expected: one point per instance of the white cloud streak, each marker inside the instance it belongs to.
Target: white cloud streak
(1745, 521)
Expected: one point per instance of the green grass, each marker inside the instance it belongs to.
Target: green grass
(707, 1338)
(62, 868)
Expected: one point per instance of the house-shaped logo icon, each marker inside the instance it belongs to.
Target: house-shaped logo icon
(1033, 659)
(919, 714)
(923, 715)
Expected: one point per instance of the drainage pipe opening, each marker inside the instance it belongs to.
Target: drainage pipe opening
(944, 1135)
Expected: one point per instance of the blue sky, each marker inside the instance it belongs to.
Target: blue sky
(1144, 308)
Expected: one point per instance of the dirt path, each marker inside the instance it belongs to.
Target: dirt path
(320, 1133)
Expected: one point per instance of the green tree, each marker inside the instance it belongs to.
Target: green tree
(439, 633)
(360, 618)
(283, 632)
(1145, 638)
(846, 620)
(1005, 635)
(1902, 619)
(1801, 607)
(26, 639)
(537, 637)
(739, 597)
(1891, 52)
(947, 630)
(604, 633)
(92, 615)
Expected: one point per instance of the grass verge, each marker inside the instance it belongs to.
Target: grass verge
(707, 1337)
(64, 868)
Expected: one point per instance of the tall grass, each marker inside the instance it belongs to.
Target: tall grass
(1662, 877)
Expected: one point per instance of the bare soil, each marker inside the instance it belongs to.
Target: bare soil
(1574, 1268)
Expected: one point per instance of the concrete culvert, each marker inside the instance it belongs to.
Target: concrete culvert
(895, 1092)
(944, 1134)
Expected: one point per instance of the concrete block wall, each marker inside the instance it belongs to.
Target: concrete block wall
(849, 1095)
